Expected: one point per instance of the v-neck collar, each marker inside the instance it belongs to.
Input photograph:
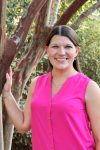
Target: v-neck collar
(63, 85)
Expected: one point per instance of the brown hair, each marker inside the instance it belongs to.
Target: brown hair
(64, 30)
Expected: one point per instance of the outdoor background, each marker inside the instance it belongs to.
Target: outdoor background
(89, 37)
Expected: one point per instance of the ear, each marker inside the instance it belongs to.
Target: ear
(77, 50)
(46, 49)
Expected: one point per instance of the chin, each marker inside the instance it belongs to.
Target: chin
(61, 67)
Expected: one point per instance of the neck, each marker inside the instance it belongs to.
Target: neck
(63, 74)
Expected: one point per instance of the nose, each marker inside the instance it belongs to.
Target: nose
(62, 51)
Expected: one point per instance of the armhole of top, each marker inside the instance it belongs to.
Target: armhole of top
(36, 84)
(86, 86)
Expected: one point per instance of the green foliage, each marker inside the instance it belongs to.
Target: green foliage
(21, 141)
(15, 10)
(89, 34)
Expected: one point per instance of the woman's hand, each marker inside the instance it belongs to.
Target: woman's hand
(8, 83)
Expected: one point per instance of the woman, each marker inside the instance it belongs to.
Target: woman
(63, 106)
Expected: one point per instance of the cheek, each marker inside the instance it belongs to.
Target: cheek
(73, 54)
(50, 53)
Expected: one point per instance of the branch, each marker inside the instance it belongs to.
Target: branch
(42, 21)
(2, 25)
(70, 12)
(48, 12)
(26, 21)
(54, 12)
(84, 15)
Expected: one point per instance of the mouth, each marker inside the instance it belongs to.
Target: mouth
(61, 59)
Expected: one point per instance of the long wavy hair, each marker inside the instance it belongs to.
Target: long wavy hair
(68, 32)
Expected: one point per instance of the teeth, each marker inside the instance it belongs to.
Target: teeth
(61, 58)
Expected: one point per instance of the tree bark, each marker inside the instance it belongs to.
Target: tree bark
(8, 132)
(54, 12)
(2, 32)
(26, 21)
(48, 12)
(84, 15)
(1, 126)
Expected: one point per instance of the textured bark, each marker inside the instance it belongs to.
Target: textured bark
(85, 14)
(48, 12)
(26, 21)
(8, 133)
(1, 127)
(54, 12)
(2, 26)
(2, 32)
(67, 15)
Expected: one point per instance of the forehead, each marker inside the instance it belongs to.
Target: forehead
(58, 39)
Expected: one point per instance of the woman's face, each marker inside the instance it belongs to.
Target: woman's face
(61, 52)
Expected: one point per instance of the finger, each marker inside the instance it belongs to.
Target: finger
(7, 76)
(10, 73)
(8, 79)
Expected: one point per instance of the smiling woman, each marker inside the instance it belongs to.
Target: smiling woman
(61, 52)
(69, 40)
(63, 106)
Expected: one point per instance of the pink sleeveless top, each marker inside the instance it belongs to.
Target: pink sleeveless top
(61, 122)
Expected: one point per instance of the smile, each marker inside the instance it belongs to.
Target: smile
(61, 59)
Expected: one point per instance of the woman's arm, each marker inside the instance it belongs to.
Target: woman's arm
(93, 109)
(21, 119)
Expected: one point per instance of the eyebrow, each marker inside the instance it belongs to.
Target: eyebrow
(58, 44)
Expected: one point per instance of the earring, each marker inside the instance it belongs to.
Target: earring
(75, 58)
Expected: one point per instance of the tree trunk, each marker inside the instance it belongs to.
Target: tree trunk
(8, 133)
(2, 32)
(1, 126)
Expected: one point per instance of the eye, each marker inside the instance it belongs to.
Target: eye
(68, 47)
(55, 46)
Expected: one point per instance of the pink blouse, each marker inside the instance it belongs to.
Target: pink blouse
(61, 122)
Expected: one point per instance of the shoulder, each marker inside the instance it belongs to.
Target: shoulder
(84, 76)
(93, 91)
(33, 84)
(93, 87)
(82, 81)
